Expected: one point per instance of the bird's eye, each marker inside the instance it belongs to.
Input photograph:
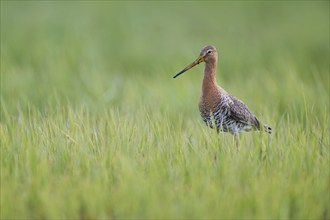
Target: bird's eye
(209, 51)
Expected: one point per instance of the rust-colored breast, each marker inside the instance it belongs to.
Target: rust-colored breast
(209, 100)
(211, 97)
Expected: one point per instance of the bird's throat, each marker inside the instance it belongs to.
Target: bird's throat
(209, 81)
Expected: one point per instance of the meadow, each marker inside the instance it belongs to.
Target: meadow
(94, 126)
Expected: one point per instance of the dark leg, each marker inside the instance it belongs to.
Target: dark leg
(236, 140)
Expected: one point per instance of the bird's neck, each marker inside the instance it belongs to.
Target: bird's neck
(209, 81)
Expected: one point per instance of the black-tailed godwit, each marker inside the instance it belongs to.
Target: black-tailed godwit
(217, 107)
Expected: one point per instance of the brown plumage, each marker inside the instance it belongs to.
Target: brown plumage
(217, 107)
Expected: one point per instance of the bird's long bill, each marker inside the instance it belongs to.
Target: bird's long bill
(197, 61)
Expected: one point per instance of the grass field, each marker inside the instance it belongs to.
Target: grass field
(94, 126)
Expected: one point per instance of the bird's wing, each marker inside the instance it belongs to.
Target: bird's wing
(240, 112)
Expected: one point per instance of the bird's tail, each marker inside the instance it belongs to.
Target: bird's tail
(267, 129)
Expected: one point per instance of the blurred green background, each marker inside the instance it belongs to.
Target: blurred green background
(95, 52)
(94, 125)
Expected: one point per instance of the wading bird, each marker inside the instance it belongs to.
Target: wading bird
(217, 107)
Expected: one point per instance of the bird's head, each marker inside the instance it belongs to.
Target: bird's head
(208, 55)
